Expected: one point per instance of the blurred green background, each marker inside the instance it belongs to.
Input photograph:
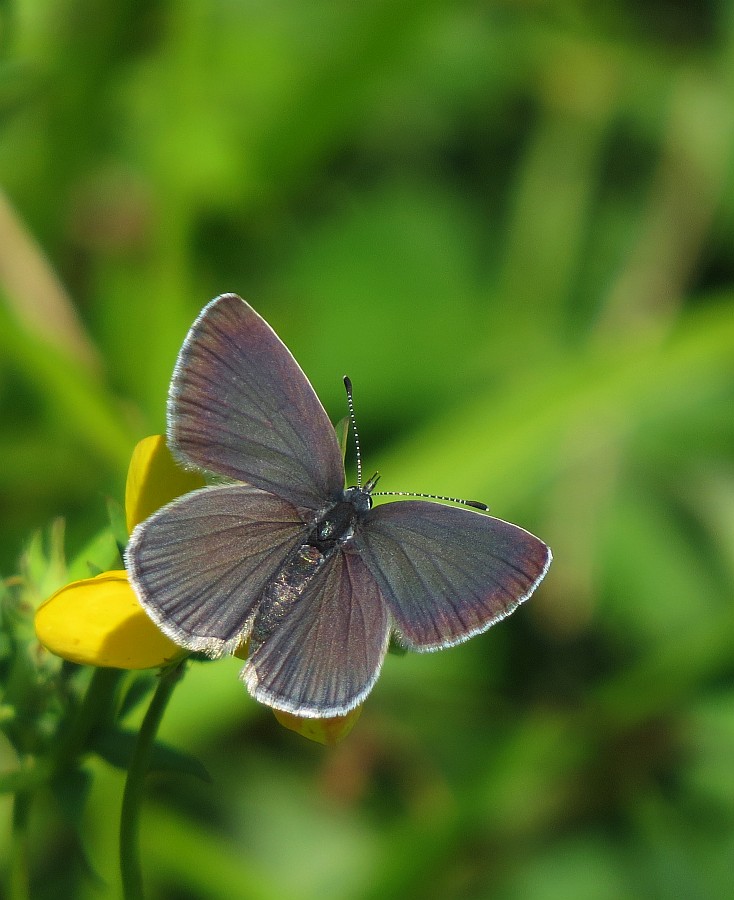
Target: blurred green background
(512, 224)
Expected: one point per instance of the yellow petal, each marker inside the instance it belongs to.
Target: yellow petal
(243, 651)
(323, 731)
(154, 479)
(99, 622)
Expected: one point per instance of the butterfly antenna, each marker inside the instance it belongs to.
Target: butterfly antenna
(475, 504)
(350, 403)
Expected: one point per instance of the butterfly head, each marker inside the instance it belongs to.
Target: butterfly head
(360, 495)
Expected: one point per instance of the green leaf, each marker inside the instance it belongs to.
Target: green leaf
(71, 789)
(141, 687)
(115, 746)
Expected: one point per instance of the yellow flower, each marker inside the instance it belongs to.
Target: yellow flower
(323, 731)
(154, 479)
(99, 621)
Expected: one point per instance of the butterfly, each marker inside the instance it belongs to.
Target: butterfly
(281, 554)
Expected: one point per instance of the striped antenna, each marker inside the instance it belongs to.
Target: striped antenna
(475, 504)
(350, 402)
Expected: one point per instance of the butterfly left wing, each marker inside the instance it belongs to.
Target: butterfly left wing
(446, 573)
(324, 658)
(240, 406)
(200, 564)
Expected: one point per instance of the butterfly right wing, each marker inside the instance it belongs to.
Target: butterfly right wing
(240, 406)
(447, 574)
(199, 564)
(325, 656)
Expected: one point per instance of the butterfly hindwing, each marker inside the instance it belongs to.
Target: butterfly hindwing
(447, 573)
(326, 655)
(240, 406)
(199, 565)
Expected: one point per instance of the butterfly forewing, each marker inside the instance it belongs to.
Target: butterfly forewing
(240, 406)
(447, 573)
(199, 565)
(325, 657)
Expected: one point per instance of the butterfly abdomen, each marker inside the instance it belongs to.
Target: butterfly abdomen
(284, 592)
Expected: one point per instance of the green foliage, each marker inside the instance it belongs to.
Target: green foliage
(512, 225)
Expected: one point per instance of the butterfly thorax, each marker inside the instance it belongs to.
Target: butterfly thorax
(334, 527)
(336, 524)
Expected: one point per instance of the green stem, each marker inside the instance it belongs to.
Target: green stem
(97, 703)
(19, 886)
(132, 879)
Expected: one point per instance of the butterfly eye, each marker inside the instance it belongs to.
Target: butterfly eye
(326, 529)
